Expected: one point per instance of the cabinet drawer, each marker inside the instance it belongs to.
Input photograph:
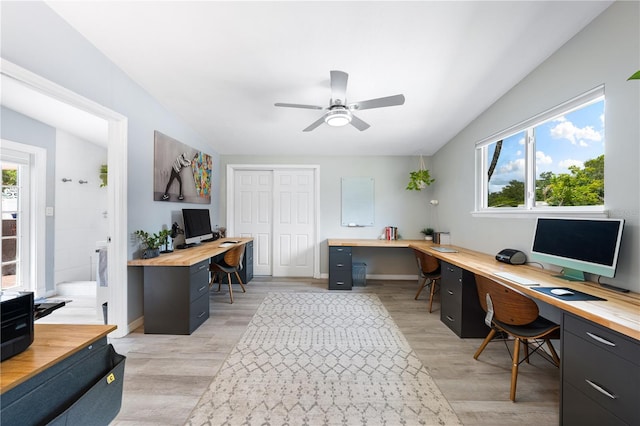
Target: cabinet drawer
(609, 380)
(198, 312)
(199, 284)
(603, 338)
(451, 291)
(340, 280)
(579, 410)
(451, 272)
(451, 318)
(199, 267)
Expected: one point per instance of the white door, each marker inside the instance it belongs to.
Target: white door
(276, 206)
(293, 223)
(252, 198)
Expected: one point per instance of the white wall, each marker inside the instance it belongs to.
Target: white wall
(410, 211)
(607, 51)
(80, 210)
(34, 37)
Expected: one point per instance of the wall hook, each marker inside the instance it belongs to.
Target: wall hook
(82, 181)
(66, 180)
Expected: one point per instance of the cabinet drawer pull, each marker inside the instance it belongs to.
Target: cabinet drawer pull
(449, 318)
(451, 269)
(202, 288)
(339, 282)
(450, 292)
(339, 265)
(202, 267)
(202, 314)
(600, 389)
(600, 339)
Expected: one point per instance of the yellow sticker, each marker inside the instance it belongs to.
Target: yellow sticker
(110, 378)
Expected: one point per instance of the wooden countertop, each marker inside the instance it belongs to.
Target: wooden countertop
(51, 344)
(191, 255)
(336, 242)
(620, 311)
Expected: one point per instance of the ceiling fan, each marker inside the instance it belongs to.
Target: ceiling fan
(339, 113)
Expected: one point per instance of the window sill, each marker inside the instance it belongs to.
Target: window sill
(516, 213)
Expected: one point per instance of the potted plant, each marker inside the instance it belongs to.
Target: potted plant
(428, 233)
(152, 243)
(419, 179)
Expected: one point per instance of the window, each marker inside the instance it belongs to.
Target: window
(554, 161)
(15, 232)
(23, 217)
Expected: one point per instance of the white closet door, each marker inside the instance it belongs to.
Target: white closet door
(293, 225)
(253, 195)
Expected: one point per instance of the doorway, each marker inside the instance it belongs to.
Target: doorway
(277, 206)
(116, 189)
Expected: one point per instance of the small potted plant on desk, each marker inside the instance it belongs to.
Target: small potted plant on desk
(428, 233)
(152, 242)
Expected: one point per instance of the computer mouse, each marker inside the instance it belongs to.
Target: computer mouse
(561, 292)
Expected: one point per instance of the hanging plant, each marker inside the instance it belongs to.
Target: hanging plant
(635, 76)
(419, 179)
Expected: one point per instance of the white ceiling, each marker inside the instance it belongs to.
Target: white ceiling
(221, 65)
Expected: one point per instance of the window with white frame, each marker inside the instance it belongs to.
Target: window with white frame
(552, 161)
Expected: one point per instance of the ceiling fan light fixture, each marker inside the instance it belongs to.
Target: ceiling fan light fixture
(338, 117)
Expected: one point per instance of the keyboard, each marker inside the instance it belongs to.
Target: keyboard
(515, 278)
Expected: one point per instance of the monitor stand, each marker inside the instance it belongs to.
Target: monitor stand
(571, 275)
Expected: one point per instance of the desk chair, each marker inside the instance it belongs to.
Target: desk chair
(517, 315)
(429, 274)
(232, 262)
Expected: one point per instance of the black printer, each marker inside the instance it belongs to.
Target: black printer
(17, 314)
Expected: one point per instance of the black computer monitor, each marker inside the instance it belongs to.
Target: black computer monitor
(578, 245)
(197, 226)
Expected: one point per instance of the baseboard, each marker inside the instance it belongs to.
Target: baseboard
(383, 277)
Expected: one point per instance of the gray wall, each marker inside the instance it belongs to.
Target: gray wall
(605, 52)
(410, 211)
(19, 128)
(36, 38)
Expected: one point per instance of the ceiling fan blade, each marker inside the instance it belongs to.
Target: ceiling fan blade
(280, 104)
(378, 102)
(315, 124)
(359, 124)
(339, 87)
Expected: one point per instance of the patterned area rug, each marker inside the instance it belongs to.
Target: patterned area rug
(322, 359)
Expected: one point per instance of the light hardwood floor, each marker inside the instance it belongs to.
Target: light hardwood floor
(166, 375)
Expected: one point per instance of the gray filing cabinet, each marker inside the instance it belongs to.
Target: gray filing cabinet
(460, 309)
(600, 375)
(176, 298)
(340, 276)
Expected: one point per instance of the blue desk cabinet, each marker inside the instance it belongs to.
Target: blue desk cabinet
(600, 375)
(340, 263)
(176, 298)
(82, 389)
(460, 308)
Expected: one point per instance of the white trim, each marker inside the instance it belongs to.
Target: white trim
(231, 168)
(117, 188)
(591, 96)
(520, 213)
(37, 219)
(382, 277)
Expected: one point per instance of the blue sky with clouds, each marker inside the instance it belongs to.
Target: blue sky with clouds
(570, 139)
